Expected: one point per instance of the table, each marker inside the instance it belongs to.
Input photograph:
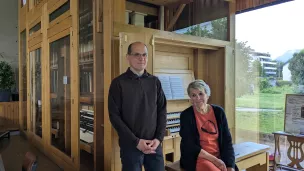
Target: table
(295, 151)
(251, 156)
(248, 155)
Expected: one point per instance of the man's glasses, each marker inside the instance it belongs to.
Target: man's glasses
(213, 132)
(138, 55)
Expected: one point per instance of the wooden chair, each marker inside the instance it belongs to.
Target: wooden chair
(29, 162)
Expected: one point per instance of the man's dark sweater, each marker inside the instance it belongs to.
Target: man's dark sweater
(137, 108)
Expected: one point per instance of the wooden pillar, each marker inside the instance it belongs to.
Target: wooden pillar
(98, 74)
(107, 49)
(111, 13)
(230, 70)
(74, 84)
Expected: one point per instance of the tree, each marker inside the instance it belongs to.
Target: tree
(257, 69)
(296, 67)
(218, 30)
(244, 71)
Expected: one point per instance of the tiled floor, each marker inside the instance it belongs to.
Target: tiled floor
(13, 152)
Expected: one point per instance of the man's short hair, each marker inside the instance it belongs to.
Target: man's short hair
(130, 47)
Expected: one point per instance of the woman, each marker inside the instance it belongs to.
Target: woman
(206, 143)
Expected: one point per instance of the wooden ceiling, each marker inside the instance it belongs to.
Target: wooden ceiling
(166, 2)
(240, 4)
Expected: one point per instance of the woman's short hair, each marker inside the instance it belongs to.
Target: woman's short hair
(200, 85)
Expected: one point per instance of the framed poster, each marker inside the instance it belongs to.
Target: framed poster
(294, 114)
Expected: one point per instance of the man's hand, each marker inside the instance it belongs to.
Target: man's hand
(230, 169)
(220, 164)
(144, 146)
(155, 143)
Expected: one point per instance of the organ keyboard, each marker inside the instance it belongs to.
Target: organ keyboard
(173, 123)
(87, 125)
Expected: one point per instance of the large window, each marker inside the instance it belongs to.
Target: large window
(36, 101)
(60, 94)
(216, 29)
(267, 70)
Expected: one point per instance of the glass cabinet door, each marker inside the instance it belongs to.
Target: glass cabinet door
(60, 99)
(36, 103)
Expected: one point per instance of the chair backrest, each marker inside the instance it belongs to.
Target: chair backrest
(29, 162)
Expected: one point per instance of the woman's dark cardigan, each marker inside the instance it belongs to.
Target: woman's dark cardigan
(190, 143)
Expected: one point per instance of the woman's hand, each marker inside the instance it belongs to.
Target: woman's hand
(220, 164)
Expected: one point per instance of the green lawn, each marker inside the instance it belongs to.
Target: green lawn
(262, 101)
(265, 100)
(266, 122)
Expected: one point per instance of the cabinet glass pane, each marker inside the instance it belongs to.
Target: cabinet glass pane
(86, 83)
(60, 94)
(36, 103)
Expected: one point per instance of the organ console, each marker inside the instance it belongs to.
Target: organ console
(87, 130)
(173, 123)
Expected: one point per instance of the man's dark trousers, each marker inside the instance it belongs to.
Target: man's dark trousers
(132, 160)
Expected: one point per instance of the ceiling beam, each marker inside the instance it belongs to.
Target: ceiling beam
(141, 8)
(176, 4)
(175, 17)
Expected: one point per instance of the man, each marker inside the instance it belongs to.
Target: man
(137, 109)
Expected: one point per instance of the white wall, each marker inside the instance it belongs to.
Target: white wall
(286, 73)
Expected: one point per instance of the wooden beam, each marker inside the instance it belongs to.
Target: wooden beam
(98, 81)
(107, 49)
(119, 11)
(175, 17)
(141, 8)
(74, 134)
(231, 22)
(176, 4)
(167, 17)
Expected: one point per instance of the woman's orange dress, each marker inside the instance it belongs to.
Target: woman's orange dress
(208, 132)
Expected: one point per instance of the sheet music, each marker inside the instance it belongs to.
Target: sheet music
(172, 87)
(294, 122)
(165, 82)
(177, 87)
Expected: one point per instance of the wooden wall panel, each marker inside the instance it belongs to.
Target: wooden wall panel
(247, 4)
(55, 4)
(33, 17)
(9, 115)
(216, 76)
(61, 26)
(34, 40)
(167, 60)
(22, 17)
